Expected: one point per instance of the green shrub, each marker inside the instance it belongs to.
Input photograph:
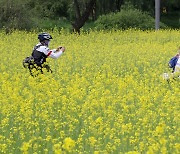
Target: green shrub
(49, 24)
(125, 19)
(14, 15)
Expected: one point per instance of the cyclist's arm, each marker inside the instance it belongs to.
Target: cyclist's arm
(51, 53)
(55, 54)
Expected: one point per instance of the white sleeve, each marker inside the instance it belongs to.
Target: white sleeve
(51, 53)
(54, 54)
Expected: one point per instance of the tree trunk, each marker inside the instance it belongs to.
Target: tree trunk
(81, 19)
(94, 12)
(78, 13)
(119, 4)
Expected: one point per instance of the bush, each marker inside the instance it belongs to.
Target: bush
(125, 19)
(13, 15)
(47, 23)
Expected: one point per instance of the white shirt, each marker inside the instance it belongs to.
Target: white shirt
(50, 53)
(177, 67)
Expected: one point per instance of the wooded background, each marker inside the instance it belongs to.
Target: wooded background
(30, 14)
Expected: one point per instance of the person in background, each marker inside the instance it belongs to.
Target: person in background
(177, 66)
(174, 64)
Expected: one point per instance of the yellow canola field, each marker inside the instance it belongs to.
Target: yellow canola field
(106, 94)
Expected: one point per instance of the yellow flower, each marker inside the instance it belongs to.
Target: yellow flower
(177, 147)
(132, 152)
(3, 148)
(164, 150)
(25, 147)
(141, 146)
(57, 149)
(48, 138)
(68, 144)
(62, 134)
(107, 92)
(150, 151)
(92, 141)
(163, 141)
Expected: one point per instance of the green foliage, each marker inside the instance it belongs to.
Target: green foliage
(50, 9)
(125, 19)
(45, 14)
(47, 23)
(14, 15)
(171, 19)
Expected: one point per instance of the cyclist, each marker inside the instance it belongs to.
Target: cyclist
(40, 52)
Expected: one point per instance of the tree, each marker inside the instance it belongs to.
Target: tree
(157, 14)
(13, 15)
(107, 6)
(81, 18)
(119, 4)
